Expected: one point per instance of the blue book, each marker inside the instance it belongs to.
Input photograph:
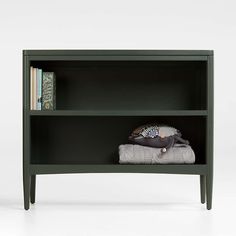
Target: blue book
(39, 89)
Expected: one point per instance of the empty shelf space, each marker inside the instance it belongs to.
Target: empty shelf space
(129, 85)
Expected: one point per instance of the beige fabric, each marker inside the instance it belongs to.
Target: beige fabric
(137, 154)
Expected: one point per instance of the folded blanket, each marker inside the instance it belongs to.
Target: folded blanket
(137, 154)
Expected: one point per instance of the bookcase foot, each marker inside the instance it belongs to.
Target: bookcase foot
(32, 188)
(209, 183)
(203, 188)
(26, 183)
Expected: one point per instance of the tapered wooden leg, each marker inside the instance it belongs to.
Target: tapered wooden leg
(32, 188)
(26, 186)
(203, 188)
(209, 183)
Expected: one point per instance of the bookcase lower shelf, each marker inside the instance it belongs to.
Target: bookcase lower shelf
(119, 168)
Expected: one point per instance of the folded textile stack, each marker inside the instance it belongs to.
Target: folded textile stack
(156, 144)
(137, 154)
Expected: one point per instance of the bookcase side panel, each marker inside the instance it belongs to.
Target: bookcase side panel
(26, 132)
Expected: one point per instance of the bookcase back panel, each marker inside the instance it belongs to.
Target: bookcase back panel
(135, 85)
(95, 140)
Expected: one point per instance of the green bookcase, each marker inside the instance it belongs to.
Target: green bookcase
(101, 96)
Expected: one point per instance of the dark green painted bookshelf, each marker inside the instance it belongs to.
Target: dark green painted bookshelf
(102, 95)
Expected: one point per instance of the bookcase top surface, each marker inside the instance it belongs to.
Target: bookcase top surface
(109, 52)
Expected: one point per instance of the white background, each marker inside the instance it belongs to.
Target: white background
(117, 204)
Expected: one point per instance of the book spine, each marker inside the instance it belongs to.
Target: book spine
(54, 92)
(34, 89)
(39, 88)
(31, 88)
(37, 79)
(40, 91)
(49, 91)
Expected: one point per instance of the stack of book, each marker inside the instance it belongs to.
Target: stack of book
(42, 90)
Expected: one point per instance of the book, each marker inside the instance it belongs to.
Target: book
(34, 88)
(39, 89)
(31, 88)
(49, 91)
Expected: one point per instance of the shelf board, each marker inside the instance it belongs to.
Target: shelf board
(119, 113)
(68, 52)
(118, 168)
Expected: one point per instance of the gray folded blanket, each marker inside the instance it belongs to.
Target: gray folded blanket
(137, 154)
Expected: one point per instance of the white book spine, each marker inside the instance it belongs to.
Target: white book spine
(31, 88)
(34, 89)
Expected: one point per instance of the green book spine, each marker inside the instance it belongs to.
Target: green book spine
(49, 91)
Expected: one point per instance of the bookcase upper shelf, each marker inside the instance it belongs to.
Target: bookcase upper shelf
(119, 113)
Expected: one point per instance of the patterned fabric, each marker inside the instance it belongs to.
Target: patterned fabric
(150, 132)
(154, 130)
(157, 136)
